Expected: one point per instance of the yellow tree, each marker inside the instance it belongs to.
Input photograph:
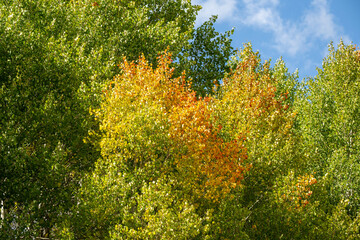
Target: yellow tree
(146, 113)
(251, 105)
(255, 102)
(158, 140)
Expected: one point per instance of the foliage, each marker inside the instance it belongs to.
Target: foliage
(293, 193)
(205, 60)
(54, 58)
(154, 129)
(251, 105)
(166, 214)
(329, 116)
(256, 102)
(42, 149)
(195, 148)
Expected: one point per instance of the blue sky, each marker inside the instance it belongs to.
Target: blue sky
(297, 30)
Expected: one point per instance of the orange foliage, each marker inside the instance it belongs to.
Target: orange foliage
(295, 193)
(207, 157)
(207, 164)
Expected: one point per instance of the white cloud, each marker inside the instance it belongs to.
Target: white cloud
(292, 37)
(289, 37)
(264, 15)
(225, 9)
(319, 21)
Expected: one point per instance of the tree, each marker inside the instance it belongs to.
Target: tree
(157, 137)
(42, 149)
(256, 101)
(55, 57)
(329, 117)
(251, 105)
(205, 60)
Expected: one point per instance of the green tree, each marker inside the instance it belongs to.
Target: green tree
(205, 60)
(55, 56)
(43, 118)
(329, 120)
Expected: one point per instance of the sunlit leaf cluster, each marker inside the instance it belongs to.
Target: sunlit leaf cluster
(294, 192)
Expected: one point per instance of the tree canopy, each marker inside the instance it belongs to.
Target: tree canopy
(122, 120)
